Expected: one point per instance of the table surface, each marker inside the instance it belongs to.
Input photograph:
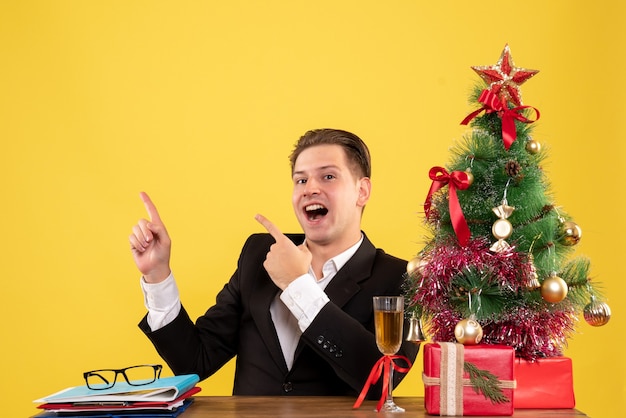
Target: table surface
(329, 406)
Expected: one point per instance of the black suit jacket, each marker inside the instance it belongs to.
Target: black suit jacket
(334, 355)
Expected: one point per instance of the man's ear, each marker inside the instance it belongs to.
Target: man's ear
(365, 189)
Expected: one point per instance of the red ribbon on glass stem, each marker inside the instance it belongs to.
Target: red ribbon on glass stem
(455, 180)
(492, 103)
(382, 367)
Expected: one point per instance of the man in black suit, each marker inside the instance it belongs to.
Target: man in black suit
(297, 313)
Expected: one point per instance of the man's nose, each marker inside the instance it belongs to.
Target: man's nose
(311, 187)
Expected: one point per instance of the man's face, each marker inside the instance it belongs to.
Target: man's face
(327, 198)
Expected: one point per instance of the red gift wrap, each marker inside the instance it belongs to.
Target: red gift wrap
(447, 387)
(544, 383)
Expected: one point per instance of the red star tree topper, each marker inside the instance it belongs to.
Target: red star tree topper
(504, 78)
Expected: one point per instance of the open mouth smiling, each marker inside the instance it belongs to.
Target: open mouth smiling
(315, 212)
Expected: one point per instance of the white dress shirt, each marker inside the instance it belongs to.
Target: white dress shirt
(292, 310)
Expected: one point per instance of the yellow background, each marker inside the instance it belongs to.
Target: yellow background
(199, 103)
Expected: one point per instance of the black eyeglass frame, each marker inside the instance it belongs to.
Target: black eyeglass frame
(157, 374)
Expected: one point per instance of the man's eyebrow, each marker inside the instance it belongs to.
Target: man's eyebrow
(322, 168)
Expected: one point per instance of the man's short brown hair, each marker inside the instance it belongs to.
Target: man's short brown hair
(357, 153)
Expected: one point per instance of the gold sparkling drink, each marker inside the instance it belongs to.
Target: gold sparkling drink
(388, 326)
(388, 320)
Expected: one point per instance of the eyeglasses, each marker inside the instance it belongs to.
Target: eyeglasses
(134, 376)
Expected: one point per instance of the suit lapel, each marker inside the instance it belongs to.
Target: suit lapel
(346, 283)
(264, 294)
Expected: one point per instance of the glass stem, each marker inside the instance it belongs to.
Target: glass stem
(390, 385)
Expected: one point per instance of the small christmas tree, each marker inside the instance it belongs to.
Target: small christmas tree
(497, 269)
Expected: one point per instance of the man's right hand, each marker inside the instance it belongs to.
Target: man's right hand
(285, 261)
(151, 245)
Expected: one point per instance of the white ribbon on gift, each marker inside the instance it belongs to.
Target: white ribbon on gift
(451, 391)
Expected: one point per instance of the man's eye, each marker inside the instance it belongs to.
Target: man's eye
(300, 181)
(329, 177)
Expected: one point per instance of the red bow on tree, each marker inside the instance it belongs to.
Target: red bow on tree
(455, 180)
(492, 103)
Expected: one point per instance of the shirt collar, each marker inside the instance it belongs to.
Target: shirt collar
(334, 264)
(341, 259)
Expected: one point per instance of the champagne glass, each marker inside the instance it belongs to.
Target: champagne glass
(388, 320)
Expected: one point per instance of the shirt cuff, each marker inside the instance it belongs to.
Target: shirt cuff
(305, 299)
(162, 301)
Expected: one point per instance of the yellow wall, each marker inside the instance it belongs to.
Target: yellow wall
(199, 103)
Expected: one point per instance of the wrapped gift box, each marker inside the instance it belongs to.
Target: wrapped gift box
(544, 383)
(447, 388)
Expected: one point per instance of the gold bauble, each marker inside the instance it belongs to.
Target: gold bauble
(502, 229)
(597, 313)
(533, 147)
(416, 265)
(468, 332)
(553, 289)
(470, 176)
(570, 233)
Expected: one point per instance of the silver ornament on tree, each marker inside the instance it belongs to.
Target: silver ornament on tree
(597, 313)
(415, 333)
(416, 267)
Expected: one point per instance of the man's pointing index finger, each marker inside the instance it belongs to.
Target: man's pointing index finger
(270, 227)
(153, 214)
